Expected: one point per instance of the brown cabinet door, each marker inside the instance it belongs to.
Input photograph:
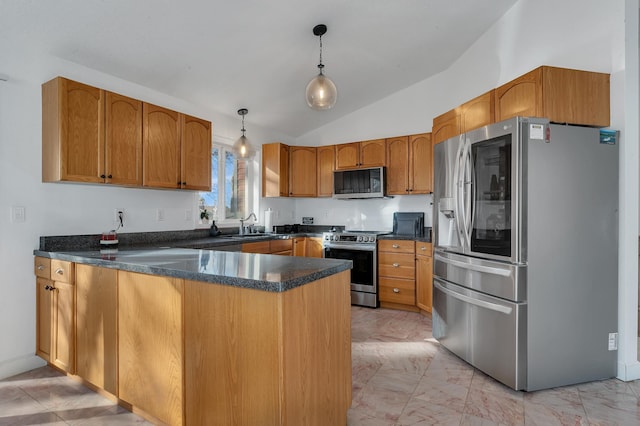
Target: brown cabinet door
(314, 247)
(63, 338)
(275, 170)
(420, 164)
(123, 140)
(446, 126)
(96, 326)
(150, 344)
(161, 147)
(44, 318)
(373, 153)
(325, 164)
(477, 112)
(72, 131)
(424, 282)
(195, 158)
(398, 166)
(302, 171)
(522, 96)
(347, 155)
(299, 246)
(256, 247)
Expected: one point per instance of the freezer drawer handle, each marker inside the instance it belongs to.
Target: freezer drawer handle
(477, 268)
(471, 300)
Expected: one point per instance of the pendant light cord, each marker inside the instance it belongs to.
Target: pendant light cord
(320, 66)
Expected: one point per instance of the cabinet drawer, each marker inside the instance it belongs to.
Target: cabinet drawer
(280, 245)
(396, 246)
(396, 265)
(256, 247)
(42, 267)
(423, 249)
(62, 271)
(397, 291)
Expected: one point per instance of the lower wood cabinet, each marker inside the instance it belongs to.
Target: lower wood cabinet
(424, 276)
(55, 319)
(280, 247)
(150, 346)
(396, 274)
(96, 326)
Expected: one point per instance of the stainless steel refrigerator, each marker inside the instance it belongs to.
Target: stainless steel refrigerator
(525, 262)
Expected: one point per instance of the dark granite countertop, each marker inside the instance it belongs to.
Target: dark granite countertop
(257, 271)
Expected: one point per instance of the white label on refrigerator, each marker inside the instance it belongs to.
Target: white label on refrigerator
(536, 131)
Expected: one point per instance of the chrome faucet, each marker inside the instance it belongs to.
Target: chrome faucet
(241, 230)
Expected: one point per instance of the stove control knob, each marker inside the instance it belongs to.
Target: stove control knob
(372, 239)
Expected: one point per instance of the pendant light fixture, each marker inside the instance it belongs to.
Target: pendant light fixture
(321, 92)
(242, 147)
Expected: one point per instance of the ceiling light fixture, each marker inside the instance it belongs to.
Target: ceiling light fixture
(321, 92)
(242, 147)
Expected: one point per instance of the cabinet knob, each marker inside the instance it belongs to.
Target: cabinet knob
(110, 176)
(423, 248)
(396, 265)
(396, 290)
(395, 246)
(40, 267)
(102, 176)
(60, 271)
(49, 287)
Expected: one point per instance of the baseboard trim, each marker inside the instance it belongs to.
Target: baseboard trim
(628, 372)
(13, 366)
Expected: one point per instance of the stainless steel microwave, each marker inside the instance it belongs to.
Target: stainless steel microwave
(359, 183)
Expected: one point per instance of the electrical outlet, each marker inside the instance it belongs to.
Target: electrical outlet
(118, 217)
(18, 214)
(613, 341)
(160, 215)
(188, 215)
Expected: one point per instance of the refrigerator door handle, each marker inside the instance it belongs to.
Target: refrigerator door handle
(472, 267)
(456, 196)
(480, 303)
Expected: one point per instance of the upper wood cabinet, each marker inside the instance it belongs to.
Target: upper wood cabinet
(123, 140)
(195, 154)
(275, 170)
(559, 94)
(361, 154)
(409, 165)
(72, 132)
(91, 135)
(475, 113)
(325, 156)
(302, 171)
(446, 126)
(161, 153)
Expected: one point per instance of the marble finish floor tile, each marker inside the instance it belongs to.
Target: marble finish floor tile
(401, 377)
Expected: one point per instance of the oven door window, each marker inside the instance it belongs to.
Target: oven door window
(363, 264)
(491, 233)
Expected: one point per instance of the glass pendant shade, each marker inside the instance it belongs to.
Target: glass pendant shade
(243, 148)
(321, 92)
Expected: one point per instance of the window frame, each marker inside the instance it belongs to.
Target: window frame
(251, 182)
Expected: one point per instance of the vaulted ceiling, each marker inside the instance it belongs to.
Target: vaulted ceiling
(225, 55)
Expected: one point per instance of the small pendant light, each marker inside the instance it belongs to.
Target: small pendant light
(321, 92)
(242, 147)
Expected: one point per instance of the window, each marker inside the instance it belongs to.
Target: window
(228, 197)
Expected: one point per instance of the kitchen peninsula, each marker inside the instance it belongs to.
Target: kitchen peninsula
(186, 336)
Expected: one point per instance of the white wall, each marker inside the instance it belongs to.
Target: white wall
(62, 209)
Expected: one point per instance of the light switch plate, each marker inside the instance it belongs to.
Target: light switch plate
(18, 214)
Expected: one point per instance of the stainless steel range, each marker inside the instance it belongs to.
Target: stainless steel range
(361, 248)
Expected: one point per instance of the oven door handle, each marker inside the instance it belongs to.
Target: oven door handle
(471, 300)
(333, 247)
